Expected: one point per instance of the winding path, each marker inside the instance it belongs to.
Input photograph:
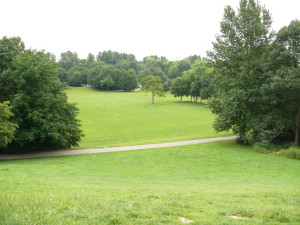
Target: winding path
(112, 149)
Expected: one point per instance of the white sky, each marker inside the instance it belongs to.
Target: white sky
(171, 28)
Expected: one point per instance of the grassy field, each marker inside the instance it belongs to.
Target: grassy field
(129, 118)
(206, 183)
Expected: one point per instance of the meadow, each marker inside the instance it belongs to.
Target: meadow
(206, 183)
(129, 118)
(209, 183)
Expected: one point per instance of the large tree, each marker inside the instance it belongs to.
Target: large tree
(154, 85)
(44, 117)
(282, 90)
(240, 54)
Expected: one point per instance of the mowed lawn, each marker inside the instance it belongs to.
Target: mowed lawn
(206, 183)
(129, 118)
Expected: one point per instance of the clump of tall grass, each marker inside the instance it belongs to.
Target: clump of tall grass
(292, 152)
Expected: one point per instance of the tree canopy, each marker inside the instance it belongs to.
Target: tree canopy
(257, 77)
(154, 85)
(44, 118)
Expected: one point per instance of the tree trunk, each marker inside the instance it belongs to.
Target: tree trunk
(191, 98)
(196, 98)
(297, 129)
(152, 98)
(180, 98)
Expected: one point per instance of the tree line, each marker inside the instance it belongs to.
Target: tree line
(111, 70)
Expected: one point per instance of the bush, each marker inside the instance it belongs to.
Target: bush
(293, 153)
(261, 149)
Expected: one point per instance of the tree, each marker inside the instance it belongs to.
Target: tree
(153, 66)
(107, 78)
(77, 76)
(44, 117)
(239, 58)
(193, 58)
(7, 128)
(180, 87)
(281, 104)
(68, 60)
(94, 71)
(62, 74)
(173, 71)
(183, 65)
(128, 80)
(107, 82)
(9, 49)
(178, 68)
(281, 91)
(200, 79)
(154, 85)
(90, 58)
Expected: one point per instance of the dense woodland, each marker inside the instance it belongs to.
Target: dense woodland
(251, 81)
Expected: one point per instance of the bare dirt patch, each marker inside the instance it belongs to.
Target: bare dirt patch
(185, 220)
(238, 217)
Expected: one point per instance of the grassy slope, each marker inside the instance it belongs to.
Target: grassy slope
(206, 183)
(118, 118)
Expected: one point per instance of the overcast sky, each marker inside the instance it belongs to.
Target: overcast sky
(171, 28)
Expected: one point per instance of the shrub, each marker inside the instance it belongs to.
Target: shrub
(292, 152)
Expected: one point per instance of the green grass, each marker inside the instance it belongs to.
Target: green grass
(205, 183)
(129, 118)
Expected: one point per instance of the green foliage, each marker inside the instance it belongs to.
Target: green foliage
(108, 77)
(280, 117)
(94, 71)
(180, 87)
(68, 60)
(106, 82)
(62, 74)
(153, 66)
(285, 80)
(110, 57)
(240, 56)
(183, 65)
(193, 58)
(9, 49)
(154, 85)
(7, 128)
(90, 59)
(173, 71)
(200, 79)
(128, 80)
(293, 153)
(177, 68)
(44, 117)
(77, 76)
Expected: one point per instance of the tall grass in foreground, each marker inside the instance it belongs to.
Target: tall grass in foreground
(207, 183)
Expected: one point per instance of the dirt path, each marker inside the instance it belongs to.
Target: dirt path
(112, 149)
